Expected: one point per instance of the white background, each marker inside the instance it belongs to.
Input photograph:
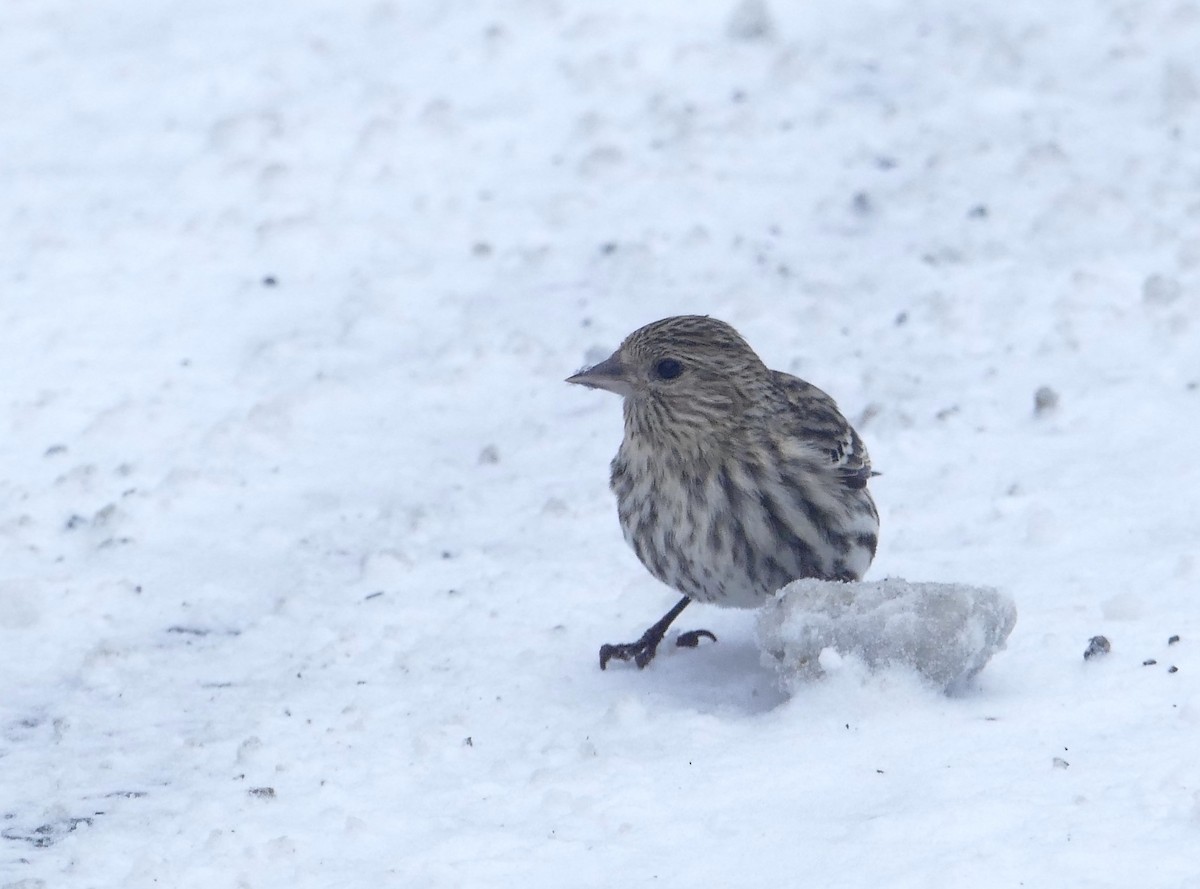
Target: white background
(928, 208)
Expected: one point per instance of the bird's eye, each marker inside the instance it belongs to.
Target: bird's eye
(668, 369)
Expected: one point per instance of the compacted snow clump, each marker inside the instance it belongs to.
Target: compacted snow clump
(947, 632)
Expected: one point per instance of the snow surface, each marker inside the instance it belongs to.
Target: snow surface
(306, 550)
(945, 632)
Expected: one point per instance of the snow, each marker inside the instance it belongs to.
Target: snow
(293, 496)
(945, 632)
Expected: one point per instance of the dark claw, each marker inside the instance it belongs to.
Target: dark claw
(640, 652)
(692, 638)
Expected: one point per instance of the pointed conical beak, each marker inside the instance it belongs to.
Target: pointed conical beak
(608, 375)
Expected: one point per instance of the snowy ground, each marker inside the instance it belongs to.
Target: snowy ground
(306, 551)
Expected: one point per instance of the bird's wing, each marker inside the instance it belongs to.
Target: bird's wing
(818, 422)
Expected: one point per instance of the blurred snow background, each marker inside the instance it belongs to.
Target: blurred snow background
(306, 551)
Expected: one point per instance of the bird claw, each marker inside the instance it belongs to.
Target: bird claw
(642, 652)
(692, 638)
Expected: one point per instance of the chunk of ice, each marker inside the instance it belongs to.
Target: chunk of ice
(947, 632)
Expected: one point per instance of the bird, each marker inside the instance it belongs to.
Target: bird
(732, 479)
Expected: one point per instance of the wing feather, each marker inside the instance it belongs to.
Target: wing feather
(819, 423)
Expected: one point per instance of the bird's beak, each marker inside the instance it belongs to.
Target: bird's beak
(608, 375)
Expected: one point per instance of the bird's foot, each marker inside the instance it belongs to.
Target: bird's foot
(643, 651)
(692, 638)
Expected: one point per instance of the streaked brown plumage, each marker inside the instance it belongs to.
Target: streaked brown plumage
(732, 479)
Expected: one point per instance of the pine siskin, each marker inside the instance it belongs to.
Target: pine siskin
(732, 479)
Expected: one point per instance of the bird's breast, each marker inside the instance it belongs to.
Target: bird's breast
(734, 530)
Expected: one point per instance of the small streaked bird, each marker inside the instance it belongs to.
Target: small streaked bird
(732, 479)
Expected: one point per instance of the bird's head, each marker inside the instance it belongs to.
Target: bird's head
(686, 373)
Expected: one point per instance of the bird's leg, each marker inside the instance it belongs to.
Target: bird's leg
(643, 651)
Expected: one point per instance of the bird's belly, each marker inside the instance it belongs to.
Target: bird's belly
(718, 540)
(688, 564)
